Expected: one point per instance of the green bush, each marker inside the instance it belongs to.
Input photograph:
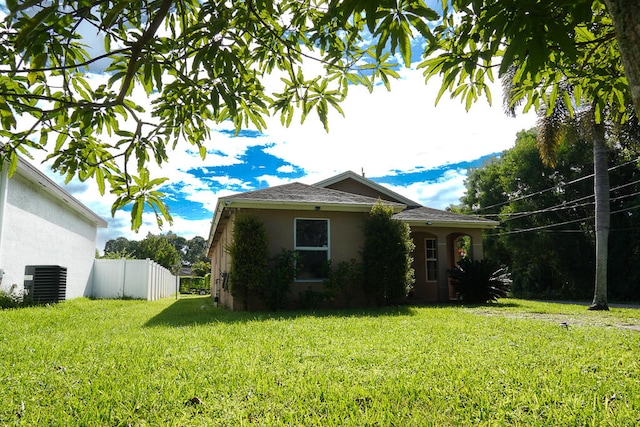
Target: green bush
(9, 299)
(387, 256)
(282, 271)
(310, 299)
(249, 257)
(346, 279)
(187, 283)
(480, 281)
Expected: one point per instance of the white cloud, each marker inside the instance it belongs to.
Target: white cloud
(397, 130)
(272, 181)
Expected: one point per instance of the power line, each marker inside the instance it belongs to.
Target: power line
(546, 227)
(537, 193)
(564, 205)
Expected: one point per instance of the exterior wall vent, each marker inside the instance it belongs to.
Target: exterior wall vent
(45, 284)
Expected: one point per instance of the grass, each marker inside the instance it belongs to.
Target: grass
(186, 363)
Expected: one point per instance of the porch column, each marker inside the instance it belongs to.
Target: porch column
(443, 279)
(477, 252)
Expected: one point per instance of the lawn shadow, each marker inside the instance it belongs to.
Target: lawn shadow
(189, 311)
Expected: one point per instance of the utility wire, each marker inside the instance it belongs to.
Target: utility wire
(564, 205)
(547, 226)
(537, 193)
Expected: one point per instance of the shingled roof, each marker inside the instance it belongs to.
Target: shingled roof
(301, 194)
(430, 216)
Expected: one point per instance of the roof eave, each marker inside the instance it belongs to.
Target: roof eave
(303, 205)
(453, 224)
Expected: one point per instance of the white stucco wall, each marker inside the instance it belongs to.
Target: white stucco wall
(40, 229)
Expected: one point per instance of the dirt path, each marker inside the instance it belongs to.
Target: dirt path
(573, 319)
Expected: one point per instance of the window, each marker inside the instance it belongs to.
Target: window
(312, 244)
(431, 253)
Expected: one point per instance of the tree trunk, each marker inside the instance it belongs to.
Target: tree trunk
(601, 192)
(626, 21)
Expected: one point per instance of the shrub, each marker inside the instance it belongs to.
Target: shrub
(187, 283)
(249, 257)
(10, 298)
(480, 281)
(282, 271)
(345, 279)
(387, 255)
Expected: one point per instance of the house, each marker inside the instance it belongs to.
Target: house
(335, 209)
(41, 224)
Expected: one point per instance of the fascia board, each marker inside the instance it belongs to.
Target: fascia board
(214, 224)
(285, 205)
(453, 224)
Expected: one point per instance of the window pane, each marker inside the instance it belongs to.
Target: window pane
(310, 264)
(312, 233)
(431, 248)
(432, 270)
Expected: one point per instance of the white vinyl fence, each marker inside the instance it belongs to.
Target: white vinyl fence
(132, 278)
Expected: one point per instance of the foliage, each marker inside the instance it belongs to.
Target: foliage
(196, 251)
(332, 368)
(201, 268)
(190, 251)
(8, 300)
(311, 299)
(346, 279)
(158, 249)
(480, 281)
(549, 51)
(116, 255)
(249, 257)
(187, 284)
(120, 245)
(386, 255)
(281, 273)
(75, 76)
(13, 297)
(547, 230)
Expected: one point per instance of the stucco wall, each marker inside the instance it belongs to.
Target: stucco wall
(440, 290)
(346, 238)
(40, 230)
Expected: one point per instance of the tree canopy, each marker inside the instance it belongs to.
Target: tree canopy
(546, 50)
(547, 214)
(168, 250)
(198, 63)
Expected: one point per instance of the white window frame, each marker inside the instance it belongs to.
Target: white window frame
(428, 259)
(312, 248)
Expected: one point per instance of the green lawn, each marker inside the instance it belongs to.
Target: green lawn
(185, 363)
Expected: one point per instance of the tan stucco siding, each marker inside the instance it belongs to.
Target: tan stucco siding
(220, 262)
(440, 290)
(346, 235)
(346, 238)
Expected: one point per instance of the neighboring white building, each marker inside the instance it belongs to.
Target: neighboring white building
(42, 224)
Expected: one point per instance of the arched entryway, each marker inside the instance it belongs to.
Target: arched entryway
(459, 245)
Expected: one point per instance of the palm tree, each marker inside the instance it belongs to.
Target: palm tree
(570, 123)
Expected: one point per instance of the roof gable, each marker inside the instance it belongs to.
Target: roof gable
(296, 194)
(351, 182)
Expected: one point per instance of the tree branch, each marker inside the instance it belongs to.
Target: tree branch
(136, 48)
